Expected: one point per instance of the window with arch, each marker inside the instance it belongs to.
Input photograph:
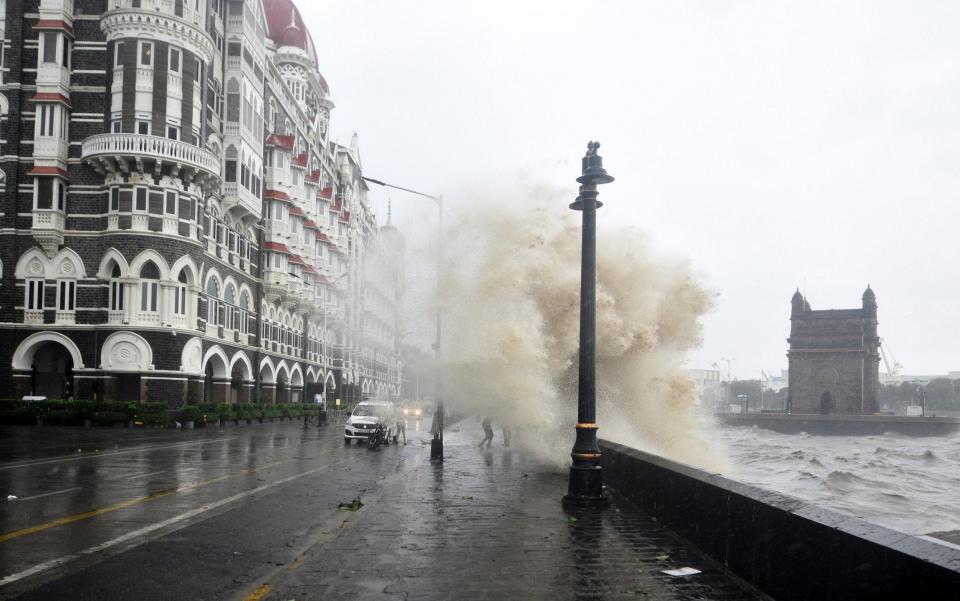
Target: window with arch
(233, 101)
(149, 287)
(116, 289)
(230, 310)
(244, 312)
(213, 302)
(180, 295)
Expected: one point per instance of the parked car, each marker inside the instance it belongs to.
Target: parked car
(365, 417)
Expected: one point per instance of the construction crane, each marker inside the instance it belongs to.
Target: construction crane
(887, 355)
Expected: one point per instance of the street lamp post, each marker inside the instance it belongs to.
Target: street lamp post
(436, 445)
(586, 482)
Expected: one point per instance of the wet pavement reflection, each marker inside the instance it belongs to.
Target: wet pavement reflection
(76, 490)
(253, 510)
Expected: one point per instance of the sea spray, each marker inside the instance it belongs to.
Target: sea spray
(510, 294)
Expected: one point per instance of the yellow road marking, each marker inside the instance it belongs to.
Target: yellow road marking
(123, 505)
(258, 594)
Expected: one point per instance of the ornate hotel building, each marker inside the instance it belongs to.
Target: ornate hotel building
(177, 224)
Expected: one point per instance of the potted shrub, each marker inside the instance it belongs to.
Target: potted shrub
(209, 413)
(236, 383)
(189, 415)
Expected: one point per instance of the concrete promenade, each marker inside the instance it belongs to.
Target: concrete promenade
(251, 513)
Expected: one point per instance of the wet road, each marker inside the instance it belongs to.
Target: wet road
(251, 513)
(238, 500)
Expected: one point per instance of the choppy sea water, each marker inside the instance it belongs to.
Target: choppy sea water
(911, 484)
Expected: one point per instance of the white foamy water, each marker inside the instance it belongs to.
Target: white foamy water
(511, 295)
(905, 483)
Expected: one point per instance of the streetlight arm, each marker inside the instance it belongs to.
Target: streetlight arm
(436, 199)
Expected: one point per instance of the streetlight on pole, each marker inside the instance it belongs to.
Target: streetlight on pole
(436, 445)
(586, 482)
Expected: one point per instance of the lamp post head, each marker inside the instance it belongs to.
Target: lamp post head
(592, 167)
(593, 174)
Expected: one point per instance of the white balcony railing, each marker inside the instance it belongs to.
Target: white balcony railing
(116, 317)
(144, 79)
(33, 316)
(48, 219)
(50, 147)
(53, 75)
(67, 317)
(149, 318)
(151, 147)
(168, 7)
(56, 6)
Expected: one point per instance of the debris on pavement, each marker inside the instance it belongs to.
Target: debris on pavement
(572, 520)
(353, 505)
(681, 572)
(662, 557)
(11, 497)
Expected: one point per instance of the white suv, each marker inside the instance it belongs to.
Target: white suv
(365, 417)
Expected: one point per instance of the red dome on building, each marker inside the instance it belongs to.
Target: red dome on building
(285, 26)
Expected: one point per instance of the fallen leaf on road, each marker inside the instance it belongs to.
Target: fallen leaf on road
(353, 505)
(11, 497)
(662, 557)
(467, 498)
(572, 520)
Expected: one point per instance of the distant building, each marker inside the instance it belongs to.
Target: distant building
(777, 383)
(834, 358)
(918, 379)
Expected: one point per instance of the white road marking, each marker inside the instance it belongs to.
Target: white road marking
(137, 477)
(94, 455)
(48, 494)
(53, 563)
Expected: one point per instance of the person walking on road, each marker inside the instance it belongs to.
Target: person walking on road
(487, 432)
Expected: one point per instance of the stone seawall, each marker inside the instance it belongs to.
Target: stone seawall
(787, 548)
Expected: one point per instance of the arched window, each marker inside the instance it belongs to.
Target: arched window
(213, 303)
(233, 101)
(116, 289)
(149, 287)
(244, 311)
(180, 295)
(230, 311)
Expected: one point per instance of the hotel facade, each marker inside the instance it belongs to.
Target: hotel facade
(177, 223)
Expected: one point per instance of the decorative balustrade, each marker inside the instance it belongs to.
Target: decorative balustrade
(144, 79)
(152, 147)
(67, 317)
(33, 316)
(52, 219)
(50, 147)
(167, 7)
(55, 6)
(175, 85)
(53, 75)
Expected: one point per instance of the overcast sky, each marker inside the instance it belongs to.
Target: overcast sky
(774, 144)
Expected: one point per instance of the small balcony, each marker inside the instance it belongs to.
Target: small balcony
(110, 153)
(53, 77)
(235, 195)
(276, 178)
(51, 148)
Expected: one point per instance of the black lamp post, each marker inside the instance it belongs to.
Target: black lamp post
(436, 444)
(586, 481)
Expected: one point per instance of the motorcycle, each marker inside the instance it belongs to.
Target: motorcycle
(377, 437)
